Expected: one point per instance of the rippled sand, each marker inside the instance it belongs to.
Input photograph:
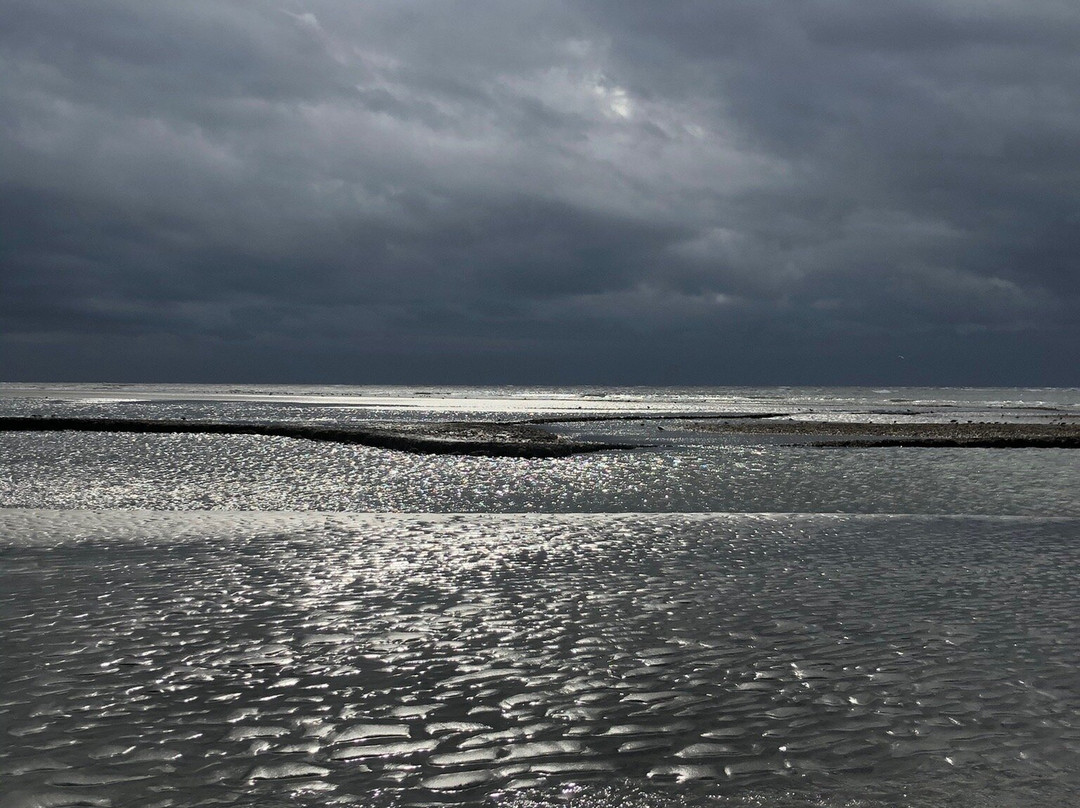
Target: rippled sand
(333, 659)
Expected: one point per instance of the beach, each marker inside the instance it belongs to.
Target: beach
(785, 598)
(292, 659)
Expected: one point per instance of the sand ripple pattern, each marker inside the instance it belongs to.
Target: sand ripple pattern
(653, 660)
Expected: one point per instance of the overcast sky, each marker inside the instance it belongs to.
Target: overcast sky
(628, 191)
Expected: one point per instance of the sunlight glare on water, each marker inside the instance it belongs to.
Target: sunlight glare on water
(170, 472)
(704, 620)
(295, 659)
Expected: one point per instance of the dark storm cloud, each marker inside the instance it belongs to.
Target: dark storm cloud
(609, 191)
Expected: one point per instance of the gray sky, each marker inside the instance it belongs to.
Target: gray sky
(608, 192)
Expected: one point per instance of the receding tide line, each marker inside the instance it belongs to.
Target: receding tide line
(458, 438)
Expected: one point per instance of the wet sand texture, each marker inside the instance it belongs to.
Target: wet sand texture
(291, 659)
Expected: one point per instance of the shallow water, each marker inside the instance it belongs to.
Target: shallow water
(683, 470)
(178, 472)
(320, 659)
(649, 628)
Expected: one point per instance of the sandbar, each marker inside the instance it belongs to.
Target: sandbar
(454, 438)
(983, 434)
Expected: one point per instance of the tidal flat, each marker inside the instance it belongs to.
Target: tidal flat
(344, 659)
(705, 616)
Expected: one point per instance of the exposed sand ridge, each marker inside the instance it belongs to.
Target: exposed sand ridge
(985, 434)
(458, 438)
(527, 438)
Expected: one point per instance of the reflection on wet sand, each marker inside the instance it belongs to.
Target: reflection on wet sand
(291, 659)
(450, 438)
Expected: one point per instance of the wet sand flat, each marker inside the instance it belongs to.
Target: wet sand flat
(846, 434)
(155, 658)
